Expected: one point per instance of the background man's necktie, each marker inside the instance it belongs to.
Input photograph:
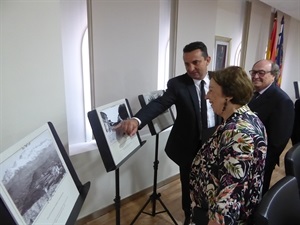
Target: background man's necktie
(256, 95)
(203, 105)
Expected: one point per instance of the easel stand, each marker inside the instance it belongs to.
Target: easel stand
(8, 216)
(117, 198)
(154, 196)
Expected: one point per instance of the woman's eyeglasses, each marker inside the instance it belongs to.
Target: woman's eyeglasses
(260, 73)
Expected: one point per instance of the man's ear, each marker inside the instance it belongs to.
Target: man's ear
(229, 98)
(208, 59)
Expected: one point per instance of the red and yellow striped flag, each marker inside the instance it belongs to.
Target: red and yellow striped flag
(271, 51)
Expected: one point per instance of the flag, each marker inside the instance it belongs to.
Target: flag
(279, 51)
(271, 51)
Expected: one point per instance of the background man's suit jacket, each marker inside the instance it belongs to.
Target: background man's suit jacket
(184, 140)
(276, 110)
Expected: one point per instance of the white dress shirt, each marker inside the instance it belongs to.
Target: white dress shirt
(210, 113)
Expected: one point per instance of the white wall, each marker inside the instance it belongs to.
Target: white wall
(203, 20)
(32, 78)
(125, 44)
(196, 22)
(258, 33)
(229, 24)
(291, 58)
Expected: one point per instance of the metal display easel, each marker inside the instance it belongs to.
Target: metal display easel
(154, 196)
(117, 199)
(106, 147)
(7, 217)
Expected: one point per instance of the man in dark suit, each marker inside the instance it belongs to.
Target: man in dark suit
(275, 109)
(188, 132)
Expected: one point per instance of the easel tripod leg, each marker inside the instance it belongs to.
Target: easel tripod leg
(142, 209)
(154, 196)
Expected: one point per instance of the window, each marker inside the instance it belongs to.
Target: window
(86, 84)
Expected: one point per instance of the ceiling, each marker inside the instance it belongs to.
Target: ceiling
(289, 7)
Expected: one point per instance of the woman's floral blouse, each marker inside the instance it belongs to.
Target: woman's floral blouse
(227, 172)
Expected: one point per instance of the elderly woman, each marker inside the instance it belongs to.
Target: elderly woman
(227, 172)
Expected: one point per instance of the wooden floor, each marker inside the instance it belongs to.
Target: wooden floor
(171, 198)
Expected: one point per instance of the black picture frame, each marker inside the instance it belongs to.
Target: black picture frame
(114, 147)
(40, 167)
(222, 52)
(164, 120)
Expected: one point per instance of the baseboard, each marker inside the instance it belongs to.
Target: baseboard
(111, 207)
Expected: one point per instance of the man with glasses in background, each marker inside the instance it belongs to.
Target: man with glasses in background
(275, 109)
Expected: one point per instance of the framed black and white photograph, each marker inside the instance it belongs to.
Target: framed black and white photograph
(164, 120)
(221, 53)
(35, 183)
(115, 147)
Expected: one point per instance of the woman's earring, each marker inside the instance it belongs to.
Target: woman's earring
(225, 105)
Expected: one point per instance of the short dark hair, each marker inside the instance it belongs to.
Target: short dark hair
(196, 45)
(235, 83)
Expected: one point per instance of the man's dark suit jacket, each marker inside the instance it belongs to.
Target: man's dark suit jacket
(276, 110)
(184, 140)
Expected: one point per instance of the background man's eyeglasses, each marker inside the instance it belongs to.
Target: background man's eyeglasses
(260, 73)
